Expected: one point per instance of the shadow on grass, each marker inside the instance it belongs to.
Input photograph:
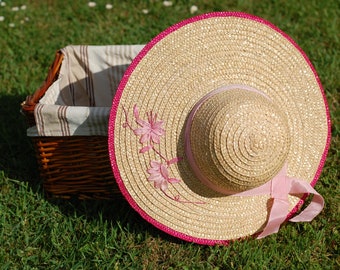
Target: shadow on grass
(18, 161)
(17, 158)
(117, 211)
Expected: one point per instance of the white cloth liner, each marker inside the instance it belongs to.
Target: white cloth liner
(78, 103)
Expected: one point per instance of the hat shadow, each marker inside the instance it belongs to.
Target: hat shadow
(115, 213)
(88, 90)
(194, 184)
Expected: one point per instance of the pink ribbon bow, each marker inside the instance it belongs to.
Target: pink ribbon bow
(279, 188)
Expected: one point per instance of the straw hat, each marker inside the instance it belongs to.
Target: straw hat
(218, 129)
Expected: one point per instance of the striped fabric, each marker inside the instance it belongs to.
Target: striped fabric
(79, 101)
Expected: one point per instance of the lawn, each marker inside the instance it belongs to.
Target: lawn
(41, 233)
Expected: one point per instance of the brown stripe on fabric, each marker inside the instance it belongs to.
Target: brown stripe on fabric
(102, 118)
(89, 78)
(110, 60)
(91, 84)
(40, 119)
(97, 123)
(70, 84)
(91, 122)
(64, 127)
(82, 51)
(116, 71)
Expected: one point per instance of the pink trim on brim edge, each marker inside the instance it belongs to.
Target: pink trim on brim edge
(115, 104)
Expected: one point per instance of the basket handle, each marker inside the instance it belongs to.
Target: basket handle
(31, 100)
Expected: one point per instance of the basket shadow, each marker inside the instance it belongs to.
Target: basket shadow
(18, 161)
(114, 210)
(15, 147)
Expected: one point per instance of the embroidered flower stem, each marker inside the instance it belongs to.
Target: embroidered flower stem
(150, 132)
(126, 123)
(178, 199)
(159, 154)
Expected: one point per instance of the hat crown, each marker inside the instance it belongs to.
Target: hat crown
(239, 139)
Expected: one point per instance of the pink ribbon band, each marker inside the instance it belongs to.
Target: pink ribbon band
(187, 146)
(279, 187)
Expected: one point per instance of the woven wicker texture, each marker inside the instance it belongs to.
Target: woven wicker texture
(76, 167)
(175, 72)
(70, 166)
(68, 118)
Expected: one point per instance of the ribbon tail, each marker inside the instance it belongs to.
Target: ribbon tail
(316, 205)
(282, 185)
(279, 188)
(277, 216)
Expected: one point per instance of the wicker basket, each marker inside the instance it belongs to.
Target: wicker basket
(70, 166)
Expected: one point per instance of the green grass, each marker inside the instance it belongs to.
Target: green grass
(36, 233)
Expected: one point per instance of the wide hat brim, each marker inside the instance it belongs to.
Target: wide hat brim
(168, 77)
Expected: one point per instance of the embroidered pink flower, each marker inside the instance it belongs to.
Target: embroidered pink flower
(159, 174)
(151, 130)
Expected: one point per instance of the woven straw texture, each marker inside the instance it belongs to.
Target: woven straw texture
(239, 139)
(173, 73)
